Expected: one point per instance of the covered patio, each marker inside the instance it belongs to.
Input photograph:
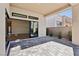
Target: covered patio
(42, 45)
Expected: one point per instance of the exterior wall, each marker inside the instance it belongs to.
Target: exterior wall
(51, 20)
(8, 8)
(2, 27)
(42, 27)
(54, 20)
(2, 31)
(67, 21)
(56, 30)
(41, 21)
(75, 25)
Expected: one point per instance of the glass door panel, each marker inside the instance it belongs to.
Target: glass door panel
(34, 29)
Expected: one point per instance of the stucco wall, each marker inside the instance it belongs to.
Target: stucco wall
(42, 27)
(56, 30)
(51, 20)
(2, 27)
(75, 24)
(2, 31)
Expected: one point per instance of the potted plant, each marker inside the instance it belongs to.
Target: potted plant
(70, 35)
(59, 35)
(51, 34)
(47, 32)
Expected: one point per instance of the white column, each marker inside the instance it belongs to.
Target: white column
(2, 31)
(42, 27)
(2, 28)
(75, 24)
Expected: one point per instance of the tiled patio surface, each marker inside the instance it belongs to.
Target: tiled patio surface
(44, 46)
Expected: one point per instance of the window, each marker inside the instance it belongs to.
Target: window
(33, 17)
(59, 23)
(19, 15)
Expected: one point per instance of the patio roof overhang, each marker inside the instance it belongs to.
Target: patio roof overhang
(42, 8)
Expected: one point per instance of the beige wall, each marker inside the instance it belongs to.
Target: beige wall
(75, 25)
(41, 21)
(25, 12)
(51, 20)
(63, 30)
(42, 27)
(2, 28)
(20, 26)
(2, 31)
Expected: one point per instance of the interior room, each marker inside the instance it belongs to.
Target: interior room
(21, 29)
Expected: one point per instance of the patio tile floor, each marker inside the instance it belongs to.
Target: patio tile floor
(28, 43)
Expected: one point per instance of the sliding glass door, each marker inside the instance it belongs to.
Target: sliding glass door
(33, 29)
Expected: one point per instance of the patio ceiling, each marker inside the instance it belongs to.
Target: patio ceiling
(42, 8)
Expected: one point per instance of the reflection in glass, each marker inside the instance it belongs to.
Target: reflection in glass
(34, 29)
